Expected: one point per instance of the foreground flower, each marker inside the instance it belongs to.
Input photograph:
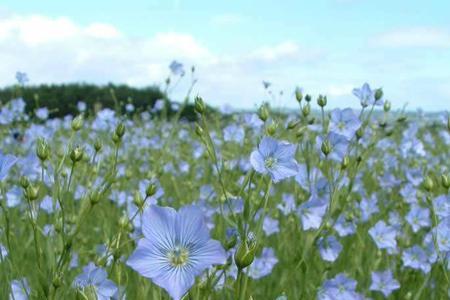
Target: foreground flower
(175, 249)
(276, 158)
(94, 280)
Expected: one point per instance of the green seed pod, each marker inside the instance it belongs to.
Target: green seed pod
(378, 94)
(387, 106)
(245, 254)
(263, 112)
(428, 184)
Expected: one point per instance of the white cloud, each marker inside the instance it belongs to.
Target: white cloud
(423, 37)
(228, 19)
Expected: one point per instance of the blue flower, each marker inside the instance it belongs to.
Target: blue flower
(384, 282)
(276, 158)
(20, 289)
(366, 95)
(344, 122)
(177, 68)
(384, 236)
(418, 217)
(6, 163)
(311, 213)
(175, 249)
(340, 287)
(416, 258)
(329, 248)
(263, 265)
(234, 133)
(95, 279)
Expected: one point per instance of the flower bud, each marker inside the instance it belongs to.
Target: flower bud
(77, 123)
(428, 184)
(138, 201)
(326, 147)
(123, 222)
(42, 149)
(115, 138)
(300, 132)
(120, 130)
(76, 154)
(263, 112)
(360, 133)
(378, 94)
(308, 98)
(345, 162)
(271, 129)
(31, 193)
(94, 197)
(292, 124)
(151, 190)
(245, 254)
(298, 94)
(306, 110)
(387, 106)
(322, 101)
(24, 182)
(199, 105)
(98, 145)
(198, 130)
(445, 181)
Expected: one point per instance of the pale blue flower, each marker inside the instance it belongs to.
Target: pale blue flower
(95, 278)
(384, 236)
(6, 163)
(175, 249)
(384, 282)
(276, 158)
(344, 122)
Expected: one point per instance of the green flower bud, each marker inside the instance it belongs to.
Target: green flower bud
(24, 182)
(199, 105)
(76, 154)
(360, 133)
(115, 138)
(57, 280)
(326, 147)
(428, 184)
(42, 149)
(345, 162)
(123, 222)
(151, 190)
(292, 124)
(322, 101)
(120, 130)
(138, 201)
(445, 181)
(306, 110)
(298, 94)
(308, 98)
(300, 132)
(31, 193)
(245, 254)
(77, 123)
(378, 94)
(271, 129)
(387, 106)
(263, 113)
(94, 197)
(98, 145)
(198, 130)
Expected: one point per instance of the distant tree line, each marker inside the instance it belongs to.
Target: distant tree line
(62, 99)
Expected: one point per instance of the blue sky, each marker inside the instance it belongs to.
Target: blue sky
(325, 46)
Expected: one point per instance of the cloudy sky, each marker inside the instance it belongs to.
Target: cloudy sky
(324, 46)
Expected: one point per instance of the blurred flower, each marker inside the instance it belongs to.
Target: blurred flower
(340, 287)
(20, 289)
(6, 163)
(95, 279)
(384, 236)
(42, 113)
(175, 249)
(416, 258)
(311, 213)
(384, 282)
(177, 68)
(22, 77)
(329, 248)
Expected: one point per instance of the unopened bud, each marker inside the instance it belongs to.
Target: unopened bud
(76, 154)
(77, 123)
(306, 110)
(42, 149)
(308, 98)
(199, 105)
(378, 94)
(151, 190)
(32, 193)
(24, 182)
(387, 106)
(245, 253)
(428, 184)
(298, 94)
(322, 101)
(326, 147)
(98, 145)
(345, 162)
(445, 181)
(271, 129)
(263, 112)
(94, 197)
(120, 130)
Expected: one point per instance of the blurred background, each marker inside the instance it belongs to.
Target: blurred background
(325, 47)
